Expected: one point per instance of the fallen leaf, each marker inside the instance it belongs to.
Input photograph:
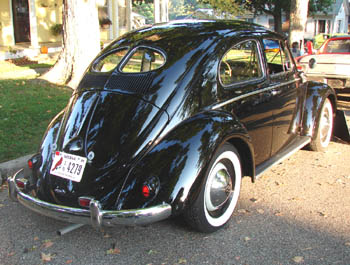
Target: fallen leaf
(36, 238)
(113, 251)
(106, 235)
(278, 214)
(254, 200)
(261, 211)
(11, 254)
(298, 259)
(46, 257)
(69, 261)
(47, 244)
(347, 244)
(182, 261)
(322, 214)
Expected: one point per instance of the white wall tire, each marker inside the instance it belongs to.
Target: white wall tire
(219, 195)
(324, 128)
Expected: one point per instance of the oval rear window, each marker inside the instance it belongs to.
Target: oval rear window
(110, 61)
(142, 60)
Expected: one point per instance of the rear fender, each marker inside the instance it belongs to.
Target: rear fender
(180, 159)
(316, 94)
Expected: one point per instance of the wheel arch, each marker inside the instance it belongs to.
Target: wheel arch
(180, 159)
(316, 95)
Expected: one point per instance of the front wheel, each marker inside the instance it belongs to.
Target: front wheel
(324, 128)
(219, 195)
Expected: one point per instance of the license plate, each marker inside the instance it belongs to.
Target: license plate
(68, 166)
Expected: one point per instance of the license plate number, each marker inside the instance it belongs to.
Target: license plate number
(68, 166)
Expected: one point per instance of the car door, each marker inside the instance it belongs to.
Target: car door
(243, 83)
(284, 85)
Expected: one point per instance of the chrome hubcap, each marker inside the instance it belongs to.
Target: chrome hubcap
(220, 188)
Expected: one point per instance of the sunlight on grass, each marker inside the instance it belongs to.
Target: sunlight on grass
(26, 108)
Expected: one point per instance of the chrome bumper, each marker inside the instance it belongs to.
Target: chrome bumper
(94, 215)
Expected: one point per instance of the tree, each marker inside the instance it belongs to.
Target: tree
(81, 42)
(270, 7)
(297, 21)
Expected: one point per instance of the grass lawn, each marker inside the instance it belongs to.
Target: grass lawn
(27, 105)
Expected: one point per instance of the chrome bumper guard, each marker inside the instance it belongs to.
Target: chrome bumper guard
(94, 215)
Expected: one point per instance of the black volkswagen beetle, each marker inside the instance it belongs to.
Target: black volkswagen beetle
(167, 120)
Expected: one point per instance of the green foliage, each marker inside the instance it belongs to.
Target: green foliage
(270, 7)
(225, 6)
(178, 8)
(146, 10)
(56, 29)
(319, 6)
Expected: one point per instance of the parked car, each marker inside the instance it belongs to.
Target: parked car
(330, 64)
(167, 120)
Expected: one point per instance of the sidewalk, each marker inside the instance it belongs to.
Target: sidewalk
(10, 167)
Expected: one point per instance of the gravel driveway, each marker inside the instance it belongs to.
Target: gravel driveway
(298, 212)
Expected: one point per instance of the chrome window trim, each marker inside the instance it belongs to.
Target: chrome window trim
(131, 52)
(220, 105)
(97, 60)
(261, 63)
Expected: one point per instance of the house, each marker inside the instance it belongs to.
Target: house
(35, 23)
(336, 20)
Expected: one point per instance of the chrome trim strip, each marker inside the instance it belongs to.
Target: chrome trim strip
(220, 105)
(304, 140)
(94, 216)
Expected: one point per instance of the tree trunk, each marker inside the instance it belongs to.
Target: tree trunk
(81, 42)
(277, 17)
(297, 22)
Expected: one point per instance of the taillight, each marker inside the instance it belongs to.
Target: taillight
(145, 191)
(22, 183)
(84, 201)
(30, 164)
(150, 187)
(35, 161)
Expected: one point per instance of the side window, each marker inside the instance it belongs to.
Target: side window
(143, 60)
(278, 56)
(241, 63)
(109, 62)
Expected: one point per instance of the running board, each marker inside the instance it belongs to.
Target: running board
(289, 150)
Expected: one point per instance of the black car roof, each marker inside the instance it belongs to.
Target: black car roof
(195, 30)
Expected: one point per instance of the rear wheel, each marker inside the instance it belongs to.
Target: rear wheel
(324, 128)
(218, 196)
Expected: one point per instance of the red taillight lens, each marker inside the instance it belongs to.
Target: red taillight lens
(35, 162)
(145, 191)
(21, 183)
(30, 164)
(84, 202)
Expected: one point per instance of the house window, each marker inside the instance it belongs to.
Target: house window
(339, 26)
(323, 26)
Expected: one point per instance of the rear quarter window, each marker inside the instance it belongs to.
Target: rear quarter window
(143, 59)
(110, 61)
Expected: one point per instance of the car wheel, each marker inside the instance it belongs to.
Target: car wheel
(219, 194)
(324, 128)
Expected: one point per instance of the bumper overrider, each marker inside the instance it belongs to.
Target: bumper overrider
(95, 215)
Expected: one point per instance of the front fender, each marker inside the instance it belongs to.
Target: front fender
(316, 94)
(180, 159)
